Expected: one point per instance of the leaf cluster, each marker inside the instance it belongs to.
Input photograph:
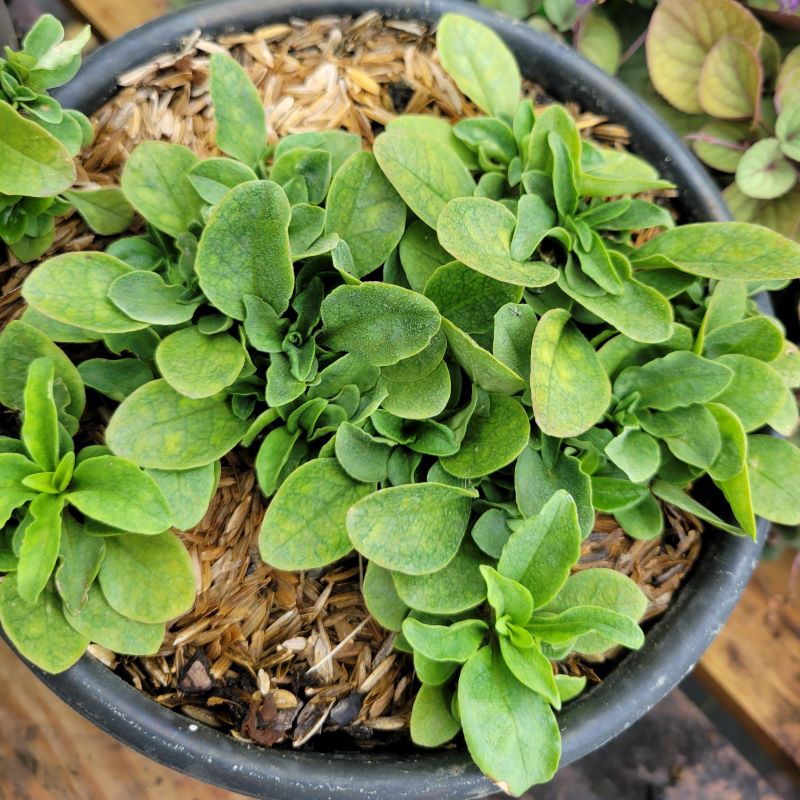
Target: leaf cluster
(447, 354)
(36, 180)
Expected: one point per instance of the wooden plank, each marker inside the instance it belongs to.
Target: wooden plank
(753, 667)
(49, 752)
(112, 18)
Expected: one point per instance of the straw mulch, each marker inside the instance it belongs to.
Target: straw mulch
(268, 655)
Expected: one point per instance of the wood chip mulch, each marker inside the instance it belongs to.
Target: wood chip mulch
(270, 656)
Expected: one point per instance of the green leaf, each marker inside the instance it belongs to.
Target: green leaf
(40, 420)
(724, 250)
(244, 249)
(144, 296)
(720, 144)
(304, 526)
(675, 380)
(478, 232)
(116, 492)
(636, 453)
(45, 34)
(535, 483)
(569, 687)
(420, 399)
(674, 496)
(432, 724)
(360, 455)
(57, 331)
(535, 218)
(392, 526)
(481, 366)
(424, 174)
(569, 387)
(39, 630)
(597, 39)
(758, 337)
(40, 546)
(438, 129)
(431, 673)
(115, 378)
(156, 183)
(787, 129)
(531, 668)
(781, 214)
(456, 642)
(542, 549)
(158, 428)
(755, 393)
(514, 325)
(382, 599)
(421, 254)
(764, 172)
(100, 623)
(241, 127)
(411, 369)
(199, 366)
(676, 51)
(73, 288)
(456, 587)
(619, 172)
(511, 733)
(147, 579)
(273, 455)
(469, 299)
(340, 144)
(41, 168)
(105, 210)
(506, 596)
(365, 211)
(640, 312)
(213, 178)
(490, 532)
(305, 174)
(730, 82)
(380, 322)
(480, 63)
(188, 493)
(21, 344)
(81, 556)
(603, 588)
(492, 441)
(579, 621)
(774, 466)
(616, 494)
(642, 521)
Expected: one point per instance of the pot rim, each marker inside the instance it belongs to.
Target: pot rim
(640, 681)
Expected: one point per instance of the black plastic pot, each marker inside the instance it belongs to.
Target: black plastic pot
(673, 645)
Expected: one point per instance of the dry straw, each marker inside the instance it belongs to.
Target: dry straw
(269, 655)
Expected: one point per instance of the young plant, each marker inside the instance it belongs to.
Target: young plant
(35, 185)
(451, 353)
(83, 535)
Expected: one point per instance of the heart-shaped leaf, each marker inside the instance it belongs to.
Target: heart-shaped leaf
(680, 36)
(787, 129)
(764, 172)
(144, 296)
(730, 81)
